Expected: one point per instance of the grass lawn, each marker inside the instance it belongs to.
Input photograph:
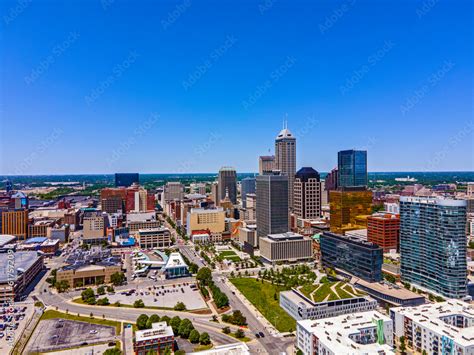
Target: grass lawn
(353, 290)
(323, 291)
(261, 295)
(203, 347)
(51, 314)
(342, 294)
(228, 253)
(307, 289)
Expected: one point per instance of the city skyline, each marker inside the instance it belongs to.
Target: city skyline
(116, 88)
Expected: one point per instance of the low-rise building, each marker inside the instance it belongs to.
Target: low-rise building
(156, 238)
(82, 274)
(359, 333)
(248, 234)
(212, 219)
(154, 340)
(437, 328)
(391, 294)
(287, 246)
(300, 307)
(175, 266)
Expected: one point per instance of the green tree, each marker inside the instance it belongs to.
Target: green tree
(402, 346)
(88, 293)
(180, 306)
(185, 328)
(117, 278)
(101, 290)
(138, 304)
(142, 321)
(204, 275)
(204, 339)
(194, 336)
(226, 330)
(165, 319)
(103, 301)
(175, 323)
(239, 333)
(113, 351)
(110, 289)
(62, 286)
(193, 268)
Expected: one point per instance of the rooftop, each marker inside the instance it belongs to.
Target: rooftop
(158, 330)
(23, 260)
(400, 293)
(336, 332)
(280, 237)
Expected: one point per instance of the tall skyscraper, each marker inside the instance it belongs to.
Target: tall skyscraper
(266, 164)
(307, 194)
(126, 179)
(352, 168)
(285, 158)
(433, 244)
(272, 204)
(247, 186)
(228, 184)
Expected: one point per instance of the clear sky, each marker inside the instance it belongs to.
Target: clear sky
(99, 86)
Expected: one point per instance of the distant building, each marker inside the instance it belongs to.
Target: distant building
(392, 207)
(215, 192)
(155, 340)
(349, 209)
(15, 223)
(266, 164)
(173, 191)
(157, 238)
(272, 204)
(227, 183)
(300, 307)
(353, 255)
(27, 265)
(94, 228)
(249, 212)
(285, 158)
(359, 333)
(247, 186)
(436, 328)
(352, 168)
(82, 274)
(126, 179)
(307, 194)
(433, 244)
(248, 234)
(212, 219)
(287, 246)
(383, 229)
(331, 180)
(113, 204)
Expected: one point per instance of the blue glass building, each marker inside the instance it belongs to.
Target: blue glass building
(433, 244)
(352, 168)
(126, 179)
(354, 255)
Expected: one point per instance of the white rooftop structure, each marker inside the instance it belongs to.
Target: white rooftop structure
(141, 216)
(175, 260)
(6, 239)
(359, 333)
(227, 349)
(158, 330)
(452, 321)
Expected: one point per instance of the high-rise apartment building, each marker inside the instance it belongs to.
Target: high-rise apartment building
(247, 186)
(433, 244)
(272, 204)
(383, 229)
(173, 190)
(285, 158)
(126, 179)
(266, 164)
(215, 192)
(307, 194)
(352, 168)
(228, 184)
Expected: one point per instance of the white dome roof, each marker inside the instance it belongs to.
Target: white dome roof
(285, 133)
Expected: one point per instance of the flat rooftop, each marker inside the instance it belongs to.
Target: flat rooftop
(334, 332)
(23, 260)
(158, 330)
(431, 316)
(280, 237)
(400, 293)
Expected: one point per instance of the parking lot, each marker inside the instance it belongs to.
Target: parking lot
(12, 322)
(56, 334)
(162, 296)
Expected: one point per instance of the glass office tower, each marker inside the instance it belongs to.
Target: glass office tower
(126, 179)
(352, 168)
(354, 255)
(433, 244)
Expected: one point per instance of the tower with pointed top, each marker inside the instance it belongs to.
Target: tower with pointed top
(285, 158)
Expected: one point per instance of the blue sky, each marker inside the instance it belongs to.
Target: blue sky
(99, 86)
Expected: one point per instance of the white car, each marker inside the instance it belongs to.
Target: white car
(93, 331)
